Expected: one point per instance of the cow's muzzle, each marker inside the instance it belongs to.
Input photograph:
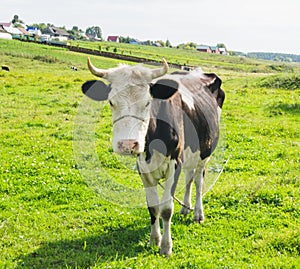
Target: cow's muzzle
(128, 147)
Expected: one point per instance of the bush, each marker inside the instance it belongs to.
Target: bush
(288, 82)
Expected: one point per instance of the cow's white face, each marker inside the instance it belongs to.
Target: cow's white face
(130, 103)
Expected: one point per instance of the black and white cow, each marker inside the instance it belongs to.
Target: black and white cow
(169, 122)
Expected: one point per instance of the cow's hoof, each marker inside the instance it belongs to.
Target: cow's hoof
(166, 247)
(165, 252)
(155, 241)
(185, 211)
(200, 221)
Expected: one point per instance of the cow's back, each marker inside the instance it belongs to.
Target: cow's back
(201, 120)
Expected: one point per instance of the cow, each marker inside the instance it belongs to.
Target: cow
(5, 68)
(170, 122)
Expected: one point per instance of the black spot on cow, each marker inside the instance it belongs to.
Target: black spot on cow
(96, 90)
(164, 89)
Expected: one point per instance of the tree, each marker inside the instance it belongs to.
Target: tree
(94, 31)
(123, 39)
(168, 44)
(16, 21)
(76, 33)
(221, 45)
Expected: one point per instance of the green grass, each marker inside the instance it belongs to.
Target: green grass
(51, 216)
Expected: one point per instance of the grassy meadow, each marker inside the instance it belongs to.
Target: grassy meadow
(66, 201)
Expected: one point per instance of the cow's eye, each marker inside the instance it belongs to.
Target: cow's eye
(148, 103)
(111, 104)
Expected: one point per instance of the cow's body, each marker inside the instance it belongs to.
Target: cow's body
(178, 129)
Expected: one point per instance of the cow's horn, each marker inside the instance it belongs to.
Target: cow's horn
(96, 71)
(160, 71)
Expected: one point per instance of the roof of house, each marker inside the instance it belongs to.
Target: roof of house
(112, 38)
(56, 31)
(5, 24)
(24, 32)
(12, 30)
(203, 47)
(214, 47)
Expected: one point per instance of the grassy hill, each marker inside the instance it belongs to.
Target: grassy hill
(68, 202)
(186, 57)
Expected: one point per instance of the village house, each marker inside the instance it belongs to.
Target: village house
(215, 49)
(33, 31)
(57, 33)
(204, 48)
(8, 31)
(223, 51)
(3, 33)
(212, 49)
(113, 38)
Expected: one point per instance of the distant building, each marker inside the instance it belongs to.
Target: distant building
(6, 24)
(134, 41)
(113, 38)
(56, 32)
(212, 49)
(11, 30)
(204, 48)
(215, 49)
(33, 31)
(223, 51)
(3, 33)
(8, 31)
(156, 44)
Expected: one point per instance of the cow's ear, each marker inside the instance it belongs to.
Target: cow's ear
(163, 89)
(213, 82)
(96, 90)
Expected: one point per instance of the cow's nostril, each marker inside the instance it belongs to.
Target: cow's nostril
(128, 146)
(135, 146)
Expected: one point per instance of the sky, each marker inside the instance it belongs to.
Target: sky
(242, 25)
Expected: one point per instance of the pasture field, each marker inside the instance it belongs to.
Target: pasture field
(185, 57)
(53, 216)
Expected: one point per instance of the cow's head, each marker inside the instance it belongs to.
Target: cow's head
(130, 100)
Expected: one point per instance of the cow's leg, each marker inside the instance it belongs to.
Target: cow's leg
(188, 191)
(153, 207)
(199, 182)
(166, 209)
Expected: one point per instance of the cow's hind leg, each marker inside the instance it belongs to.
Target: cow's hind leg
(199, 183)
(188, 191)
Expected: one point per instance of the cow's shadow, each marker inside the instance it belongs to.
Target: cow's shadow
(85, 252)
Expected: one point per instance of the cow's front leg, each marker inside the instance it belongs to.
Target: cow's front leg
(166, 212)
(153, 207)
